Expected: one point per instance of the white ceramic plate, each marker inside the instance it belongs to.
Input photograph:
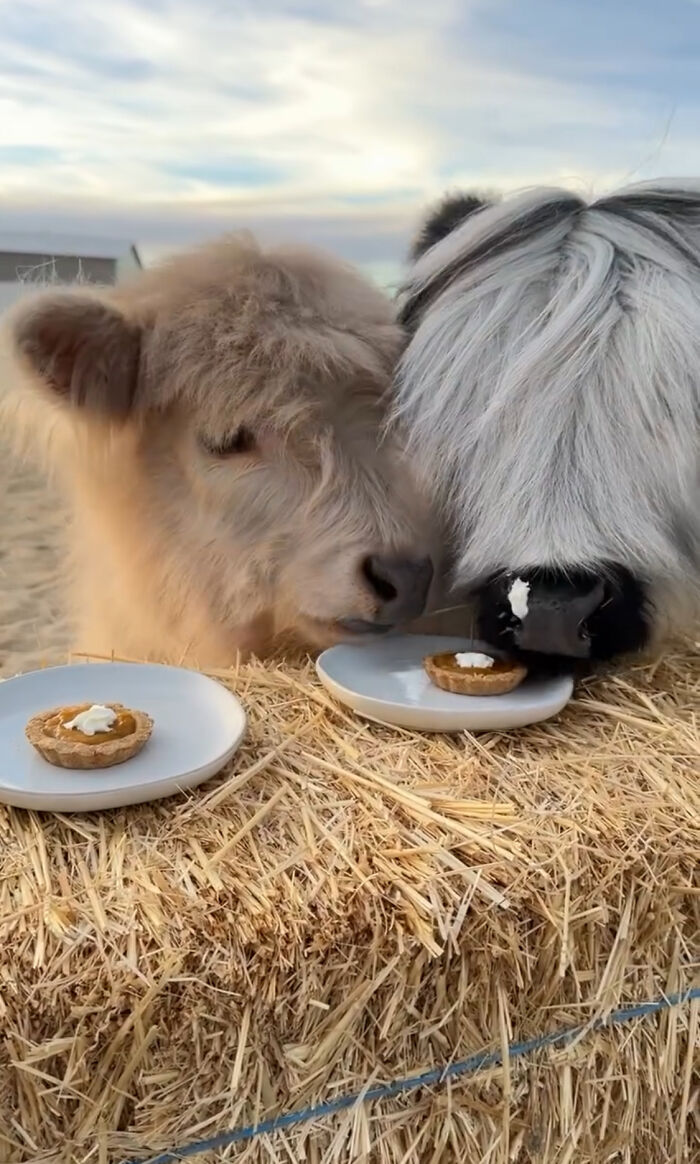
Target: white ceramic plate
(197, 727)
(385, 681)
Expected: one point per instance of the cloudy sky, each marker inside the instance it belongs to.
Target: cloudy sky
(330, 120)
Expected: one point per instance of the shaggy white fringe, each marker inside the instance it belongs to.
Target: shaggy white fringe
(550, 392)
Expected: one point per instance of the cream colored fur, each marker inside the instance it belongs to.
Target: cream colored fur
(183, 555)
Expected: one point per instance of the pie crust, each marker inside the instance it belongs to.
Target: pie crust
(67, 753)
(445, 672)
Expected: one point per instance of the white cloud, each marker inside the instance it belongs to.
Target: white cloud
(322, 102)
(164, 114)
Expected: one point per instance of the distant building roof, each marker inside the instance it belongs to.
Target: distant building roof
(65, 245)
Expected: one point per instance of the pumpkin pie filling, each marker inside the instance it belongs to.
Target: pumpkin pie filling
(56, 726)
(451, 663)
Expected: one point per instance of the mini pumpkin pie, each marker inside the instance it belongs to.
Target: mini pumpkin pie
(89, 735)
(471, 673)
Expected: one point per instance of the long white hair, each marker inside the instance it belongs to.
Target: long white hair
(550, 389)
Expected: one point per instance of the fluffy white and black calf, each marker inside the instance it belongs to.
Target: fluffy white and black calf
(550, 393)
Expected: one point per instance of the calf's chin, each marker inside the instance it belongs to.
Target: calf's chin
(217, 429)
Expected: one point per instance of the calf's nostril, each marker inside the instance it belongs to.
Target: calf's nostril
(379, 576)
(399, 586)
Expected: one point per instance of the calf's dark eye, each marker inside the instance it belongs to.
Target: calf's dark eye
(241, 440)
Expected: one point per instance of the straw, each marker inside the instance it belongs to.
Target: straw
(350, 904)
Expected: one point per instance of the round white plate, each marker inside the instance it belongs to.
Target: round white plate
(385, 681)
(197, 726)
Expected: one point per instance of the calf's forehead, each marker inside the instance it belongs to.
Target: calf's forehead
(250, 333)
(236, 273)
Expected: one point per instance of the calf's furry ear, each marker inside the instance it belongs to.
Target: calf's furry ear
(446, 217)
(82, 349)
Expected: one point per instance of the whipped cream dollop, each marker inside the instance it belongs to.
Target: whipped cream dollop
(473, 659)
(93, 720)
(518, 598)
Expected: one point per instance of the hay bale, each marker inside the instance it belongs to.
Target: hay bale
(350, 904)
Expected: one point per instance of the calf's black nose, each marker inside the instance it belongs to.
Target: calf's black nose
(400, 584)
(555, 622)
(548, 614)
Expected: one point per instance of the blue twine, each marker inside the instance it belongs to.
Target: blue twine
(426, 1079)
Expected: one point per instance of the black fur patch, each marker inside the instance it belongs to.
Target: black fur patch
(679, 204)
(620, 626)
(444, 218)
(659, 212)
